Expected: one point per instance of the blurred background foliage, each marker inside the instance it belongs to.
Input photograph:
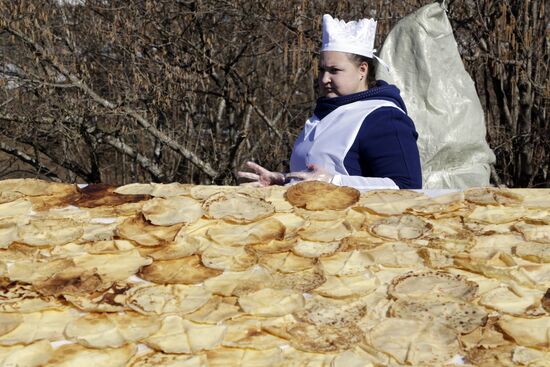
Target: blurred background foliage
(125, 91)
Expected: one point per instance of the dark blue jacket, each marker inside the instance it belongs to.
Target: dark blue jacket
(386, 143)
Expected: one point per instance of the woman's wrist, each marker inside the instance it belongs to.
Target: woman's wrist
(279, 178)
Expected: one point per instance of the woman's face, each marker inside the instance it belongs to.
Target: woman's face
(339, 76)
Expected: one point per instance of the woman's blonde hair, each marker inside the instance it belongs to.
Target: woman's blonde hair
(371, 73)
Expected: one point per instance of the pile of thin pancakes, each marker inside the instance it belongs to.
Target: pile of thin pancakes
(307, 275)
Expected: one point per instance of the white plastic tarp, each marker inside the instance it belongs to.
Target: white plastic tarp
(425, 64)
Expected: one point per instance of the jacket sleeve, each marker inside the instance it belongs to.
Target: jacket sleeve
(364, 183)
(387, 153)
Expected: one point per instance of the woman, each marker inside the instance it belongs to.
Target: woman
(360, 134)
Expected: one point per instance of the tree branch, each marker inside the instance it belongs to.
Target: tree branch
(268, 122)
(24, 157)
(114, 142)
(205, 167)
(143, 161)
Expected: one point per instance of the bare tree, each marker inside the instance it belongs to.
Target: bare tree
(164, 90)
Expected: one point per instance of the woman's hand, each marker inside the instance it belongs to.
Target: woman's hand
(314, 173)
(261, 177)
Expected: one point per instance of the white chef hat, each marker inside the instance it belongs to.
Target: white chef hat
(356, 37)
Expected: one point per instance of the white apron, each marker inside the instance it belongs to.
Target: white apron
(326, 143)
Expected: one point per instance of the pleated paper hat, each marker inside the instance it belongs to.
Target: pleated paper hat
(356, 37)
